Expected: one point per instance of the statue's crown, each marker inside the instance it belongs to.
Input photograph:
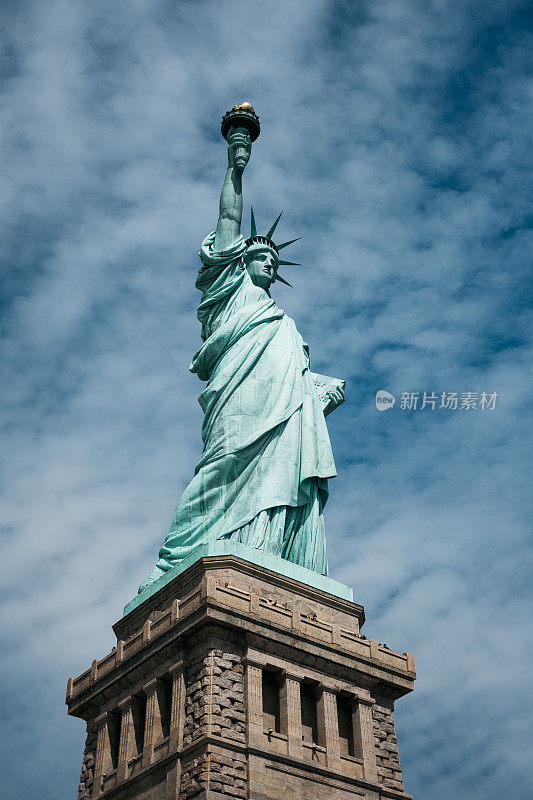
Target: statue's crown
(267, 241)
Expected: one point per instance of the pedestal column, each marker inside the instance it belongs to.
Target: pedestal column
(151, 700)
(126, 738)
(328, 726)
(177, 708)
(291, 714)
(177, 724)
(103, 756)
(364, 737)
(253, 688)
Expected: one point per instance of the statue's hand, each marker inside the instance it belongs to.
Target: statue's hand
(239, 148)
(336, 397)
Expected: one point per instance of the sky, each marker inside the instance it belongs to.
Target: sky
(395, 137)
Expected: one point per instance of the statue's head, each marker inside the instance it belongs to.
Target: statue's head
(261, 256)
(262, 264)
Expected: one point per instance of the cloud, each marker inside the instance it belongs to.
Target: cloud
(395, 138)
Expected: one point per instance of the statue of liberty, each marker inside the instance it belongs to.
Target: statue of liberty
(262, 478)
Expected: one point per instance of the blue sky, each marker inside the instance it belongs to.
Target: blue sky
(395, 138)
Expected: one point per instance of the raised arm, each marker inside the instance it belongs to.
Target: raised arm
(230, 213)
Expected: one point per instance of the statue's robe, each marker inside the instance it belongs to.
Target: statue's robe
(262, 478)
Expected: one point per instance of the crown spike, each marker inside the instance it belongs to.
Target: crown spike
(273, 228)
(286, 244)
(279, 278)
(289, 263)
(253, 229)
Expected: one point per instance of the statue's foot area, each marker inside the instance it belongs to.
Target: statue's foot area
(153, 576)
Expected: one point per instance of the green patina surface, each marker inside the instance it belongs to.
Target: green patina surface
(227, 547)
(262, 479)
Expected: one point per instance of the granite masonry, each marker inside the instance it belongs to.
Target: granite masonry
(233, 681)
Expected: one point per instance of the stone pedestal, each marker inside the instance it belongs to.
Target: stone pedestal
(235, 681)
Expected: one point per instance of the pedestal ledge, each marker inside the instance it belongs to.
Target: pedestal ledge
(226, 547)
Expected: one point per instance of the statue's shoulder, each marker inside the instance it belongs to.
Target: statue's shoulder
(211, 256)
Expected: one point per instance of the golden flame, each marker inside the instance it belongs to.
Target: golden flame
(244, 106)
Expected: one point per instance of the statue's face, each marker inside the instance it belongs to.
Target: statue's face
(262, 265)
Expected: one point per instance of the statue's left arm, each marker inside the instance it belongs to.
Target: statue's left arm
(230, 212)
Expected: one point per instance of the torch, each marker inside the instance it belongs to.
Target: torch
(241, 118)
